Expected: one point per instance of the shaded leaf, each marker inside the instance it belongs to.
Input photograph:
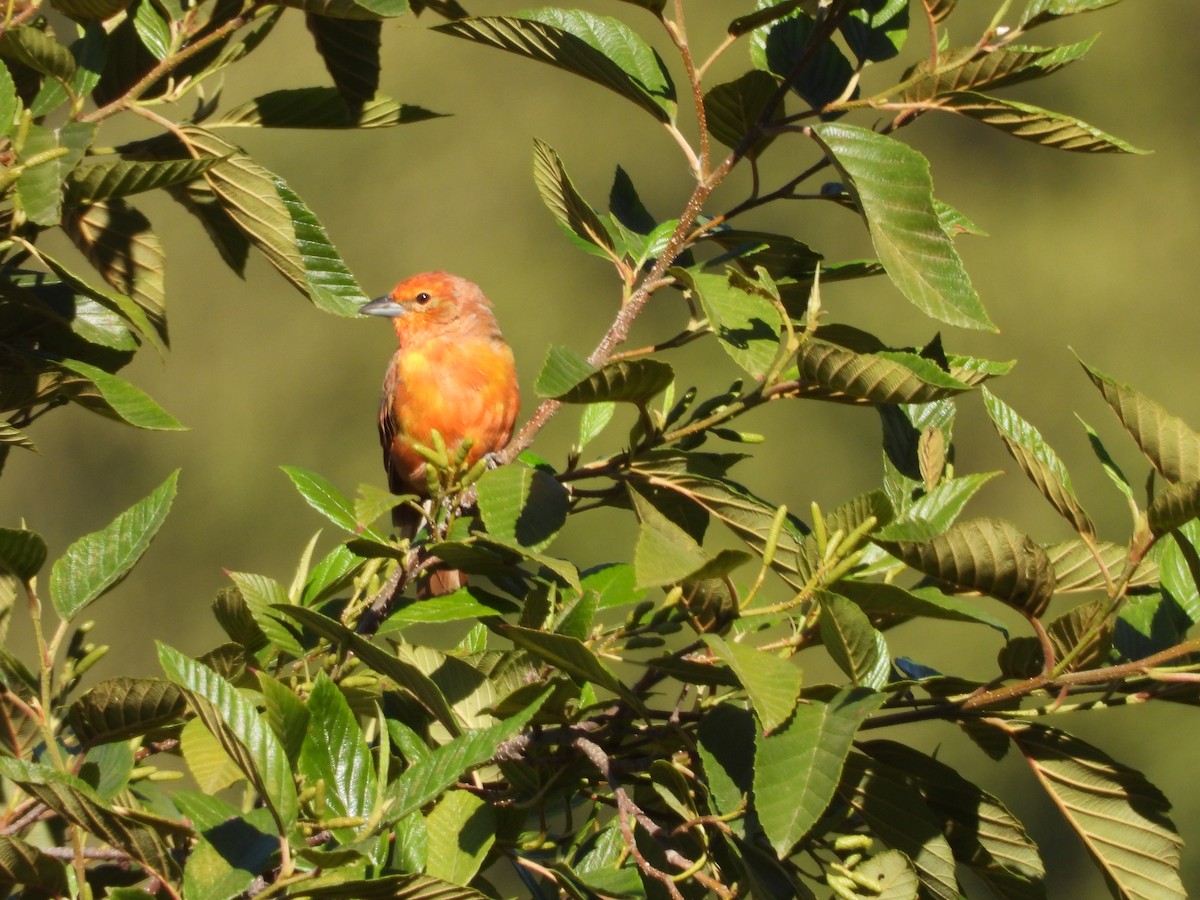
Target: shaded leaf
(987, 555)
(352, 9)
(733, 109)
(1176, 505)
(522, 505)
(747, 324)
(24, 864)
(22, 552)
(1120, 816)
(1032, 123)
(855, 646)
(570, 210)
(120, 708)
(462, 829)
(876, 30)
(885, 377)
(350, 51)
(99, 561)
(120, 178)
(1040, 11)
(1076, 568)
(891, 186)
(882, 599)
(628, 381)
(791, 49)
(320, 107)
(972, 69)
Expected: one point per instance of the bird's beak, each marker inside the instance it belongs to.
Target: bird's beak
(382, 306)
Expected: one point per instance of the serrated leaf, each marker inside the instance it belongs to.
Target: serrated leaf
(405, 674)
(885, 377)
(427, 777)
(79, 804)
(746, 323)
(121, 244)
(8, 101)
(90, 10)
(1178, 568)
(99, 561)
(120, 397)
(1168, 442)
(1120, 816)
(1032, 123)
(335, 751)
(894, 872)
(1038, 460)
(853, 643)
(152, 29)
(320, 107)
(465, 603)
(971, 69)
(1174, 506)
(352, 9)
(462, 829)
(771, 683)
(1148, 624)
(564, 652)
(986, 555)
(39, 51)
(626, 381)
(797, 768)
(24, 864)
(891, 186)
(891, 600)
(562, 370)
(387, 887)
(598, 48)
(522, 505)
(1076, 568)
(350, 50)
(39, 187)
(789, 49)
(593, 420)
(570, 210)
(235, 722)
(229, 855)
(120, 178)
(982, 833)
(261, 594)
(1040, 11)
(210, 766)
(321, 495)
(735, 108)
(120, 708)
(280, 225)
(22, 552)
(897, 814)
(877, 30)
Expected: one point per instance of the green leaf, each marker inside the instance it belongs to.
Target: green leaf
(858, 649)
(797, 769)
(120, 708)
(39, 51)
(1032, 123)
(79, 804)
(1120, 816)
(22, 552)
(665, 554)
(982, 833)
(885, 377)
(598, 48)
(320, 107)
(570, 210)
(1178, 564)
(39, 187)
(1168, 442)
(1076, 569)
(120, 178)
(971, 69)
(24, 864)
(237, 724)
(893, 870)
(937, 510)
(427, 777)
(626, 381)
(286, 713)
(99, 561)
(326, 499)
(1038, 460)
(734, 108)
(563, 651)
(562, 370)
(229, 855)
(465, 603)
(614, 584)
(890, 183)
(986, 555)
(771, 683)
(210, 766)
(279, 224)
(886, 600)
(128, 402)
(522, 505)
(1173, 507)
(462, 829)
(352, 9)
(335, 751)
(877, 29)
(592, 421)
(387, 887)
(791, 49)
(8, 101)
(261, 594)
(152, 29)
(1040, 11)
(350, 49)
(896, 813)
(405, 674)
(89, 10)
(747, 324)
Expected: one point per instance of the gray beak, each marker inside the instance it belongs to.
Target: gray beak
(382, 306)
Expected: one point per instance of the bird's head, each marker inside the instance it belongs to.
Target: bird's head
(433, 304)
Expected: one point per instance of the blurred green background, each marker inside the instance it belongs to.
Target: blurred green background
(1095, 253)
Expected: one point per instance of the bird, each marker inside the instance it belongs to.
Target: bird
(453, 373)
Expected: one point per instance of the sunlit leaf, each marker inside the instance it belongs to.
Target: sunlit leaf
(39, 186)
(890, 183)
(335, 750)
(771, 683)
(747, 324)
(570, 210)
(99, 561)
(972, 69)
(462, 829)
(120, 178)
(120, 397)
(1032, 123)
(528, 506)
(352, 9)
(853, 643)
(876, 30)
(1040, 11)
(1175, 505)
(598, 48)
(326, 499)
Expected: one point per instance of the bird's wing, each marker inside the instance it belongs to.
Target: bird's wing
(387, 430)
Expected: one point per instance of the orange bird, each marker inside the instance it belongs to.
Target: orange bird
(453, 374)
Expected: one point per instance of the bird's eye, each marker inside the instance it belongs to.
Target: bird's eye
(422, 298)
